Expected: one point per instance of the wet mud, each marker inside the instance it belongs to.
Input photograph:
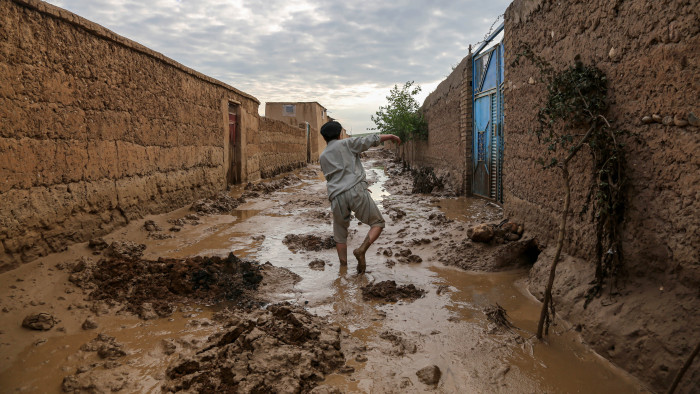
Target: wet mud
(282, 349)
(281, 315)
(389, 291)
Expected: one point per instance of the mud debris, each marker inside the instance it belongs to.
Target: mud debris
(257, 189)
(89, 324)
(221, 203)
(425, 181)
(150, 225)
(41, 321)
(317, 264)
(400, 345)
(498, 316)
(309, 242)
(147, 287)
(281, 349)
(499, 234)
(471, 255)
(125, 250)
(388, 291)
(97, 244)
(106, 347)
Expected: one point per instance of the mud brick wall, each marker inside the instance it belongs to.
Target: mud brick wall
(97, 130)
(448, 147)
(282, 147)
(649, 51)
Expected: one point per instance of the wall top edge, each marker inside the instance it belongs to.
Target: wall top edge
(102, 32)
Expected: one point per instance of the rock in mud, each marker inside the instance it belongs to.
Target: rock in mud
(438, 219)
(125, 250)
(89, 324)
(283, 349)
(164, 282)
(308, 242)
(41, 321)
(429, 375)
(150, 225)
(401, 345)
(481, 233)
(222, 203)
(390, 292)
(147, 312)
(317, 264)
(97, 244)
(94, 383)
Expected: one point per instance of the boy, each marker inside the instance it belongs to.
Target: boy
(347, 188)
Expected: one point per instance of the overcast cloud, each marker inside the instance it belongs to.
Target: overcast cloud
(344, 54)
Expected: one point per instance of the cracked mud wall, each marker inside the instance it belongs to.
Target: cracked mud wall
(98, 130)
(448, 111)
(646, 50)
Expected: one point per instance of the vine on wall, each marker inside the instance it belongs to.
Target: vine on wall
(577, 101)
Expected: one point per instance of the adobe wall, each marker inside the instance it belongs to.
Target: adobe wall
(647, 55)
(98, 130)
(311, 112)
(649, 52)
(282, 147)
(448, 147)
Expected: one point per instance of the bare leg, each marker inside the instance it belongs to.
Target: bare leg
(359, 253)
(342, 250)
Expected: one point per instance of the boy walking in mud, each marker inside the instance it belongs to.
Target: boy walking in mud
(347, 188)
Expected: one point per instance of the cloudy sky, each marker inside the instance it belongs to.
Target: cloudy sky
(344, 54)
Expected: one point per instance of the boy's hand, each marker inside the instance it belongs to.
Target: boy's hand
(396, 139)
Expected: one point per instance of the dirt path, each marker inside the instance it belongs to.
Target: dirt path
(432, 315)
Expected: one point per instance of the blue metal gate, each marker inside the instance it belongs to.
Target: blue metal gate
(487, 93)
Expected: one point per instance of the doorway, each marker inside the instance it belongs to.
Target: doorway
(487, 141)
(233, 173)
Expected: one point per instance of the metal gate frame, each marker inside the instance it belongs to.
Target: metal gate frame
(487, 135)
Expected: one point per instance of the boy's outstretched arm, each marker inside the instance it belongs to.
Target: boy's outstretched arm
(390, 137)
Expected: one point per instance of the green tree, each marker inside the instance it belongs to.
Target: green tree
(402, 116)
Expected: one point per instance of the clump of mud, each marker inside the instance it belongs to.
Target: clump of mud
(308, 242)
(425, 181)
(150, 288)
(471, 255)
(283, 349)
(390, 292)
(222, 203)
(256, 189)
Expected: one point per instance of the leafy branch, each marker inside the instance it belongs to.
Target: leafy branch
(577, 100)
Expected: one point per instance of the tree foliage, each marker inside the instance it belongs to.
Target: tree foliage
(402, 116)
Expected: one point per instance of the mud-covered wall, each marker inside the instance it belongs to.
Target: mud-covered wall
(448, 113)
(98, 130)
(282, 147)
(649, 52)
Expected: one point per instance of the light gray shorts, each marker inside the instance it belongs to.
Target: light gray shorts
(358, 200)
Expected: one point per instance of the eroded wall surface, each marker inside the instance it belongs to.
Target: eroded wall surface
(448, 147)
(98, 130)
(282, 147)
(649, 52)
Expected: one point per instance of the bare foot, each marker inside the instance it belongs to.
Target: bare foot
(360, 256)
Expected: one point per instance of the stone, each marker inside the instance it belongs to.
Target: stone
(510, 237)
(481, 233)
(429, 375)
(679, 121)
(647, 119)
(693, 120)
(531, 81)
(656, 118)
(667, 120)
(150, 225)
(97, 244)
(89, 324)
(41, 321)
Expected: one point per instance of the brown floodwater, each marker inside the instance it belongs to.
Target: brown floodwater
(447, 327)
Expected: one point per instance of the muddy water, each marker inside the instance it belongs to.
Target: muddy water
(446, 328)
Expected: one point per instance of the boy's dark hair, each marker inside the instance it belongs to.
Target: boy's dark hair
(331, 130)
